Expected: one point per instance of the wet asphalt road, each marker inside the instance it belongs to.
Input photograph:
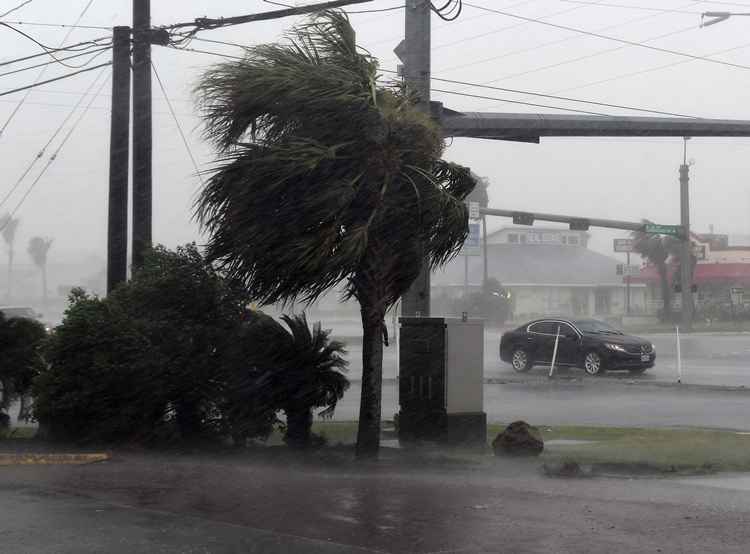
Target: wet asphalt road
(148, 504)
(715, 360)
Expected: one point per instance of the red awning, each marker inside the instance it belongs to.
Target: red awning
(704, 274)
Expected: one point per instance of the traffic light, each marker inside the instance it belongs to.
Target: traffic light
(523, 218)
(579, 225)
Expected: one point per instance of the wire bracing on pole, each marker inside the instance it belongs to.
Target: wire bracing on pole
(177, 122)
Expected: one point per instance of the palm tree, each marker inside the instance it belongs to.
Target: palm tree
(311, 377)
(327, 176)
(38, 249)
(8, 228)
(657, 249)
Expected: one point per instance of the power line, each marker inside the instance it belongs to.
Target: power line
(550, 43)
(25, 97)
(392, 8)
(72, 48)
(51, 140)
(93, 53)
(563, 98)
(58, 25)
(66, 76)
(21, 5)
(519, 102)
(177, 122)
(56, 153)
(643, 8)
(607, 37)
(650, 69)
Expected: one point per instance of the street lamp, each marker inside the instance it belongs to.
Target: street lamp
(717, 17)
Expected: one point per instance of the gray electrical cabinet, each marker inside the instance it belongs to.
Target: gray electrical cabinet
(441, 380)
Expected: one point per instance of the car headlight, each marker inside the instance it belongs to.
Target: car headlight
(615, 347)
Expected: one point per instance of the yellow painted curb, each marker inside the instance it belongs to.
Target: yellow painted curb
(52, 459)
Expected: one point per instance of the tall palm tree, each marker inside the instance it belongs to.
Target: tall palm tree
(38, 249)
(8, 228)
(327, 176)
(657, 249)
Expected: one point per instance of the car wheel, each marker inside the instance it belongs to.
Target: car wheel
(593, 364)
(520, 360)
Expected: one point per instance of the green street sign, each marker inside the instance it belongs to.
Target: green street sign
(672, 230)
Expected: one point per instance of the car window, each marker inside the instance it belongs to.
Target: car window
(567, 331)
(595, 326)
(544, 327)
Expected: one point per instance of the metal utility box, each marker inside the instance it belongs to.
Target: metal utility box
(441, 380)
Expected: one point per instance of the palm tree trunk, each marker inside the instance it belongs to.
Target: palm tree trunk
(368, 433)
(666, 292)
(298, 427)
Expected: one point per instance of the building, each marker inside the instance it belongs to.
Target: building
(547, 271)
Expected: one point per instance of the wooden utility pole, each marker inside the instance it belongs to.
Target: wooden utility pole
(415, 53)
(142, 131)
(119, 158)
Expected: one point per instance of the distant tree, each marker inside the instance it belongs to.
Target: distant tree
(657, 249)
(38, 250)
(20, 358)
(327, 177)
(8, 227)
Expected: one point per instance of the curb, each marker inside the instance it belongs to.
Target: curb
(53, 459)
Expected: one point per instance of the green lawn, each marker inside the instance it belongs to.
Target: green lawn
(658, 449)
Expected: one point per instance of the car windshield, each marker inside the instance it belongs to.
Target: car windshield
(596, 326)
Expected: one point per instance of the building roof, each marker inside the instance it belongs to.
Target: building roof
(537, 264)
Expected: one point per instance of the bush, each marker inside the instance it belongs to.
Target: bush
(150, 361)
(20, 357)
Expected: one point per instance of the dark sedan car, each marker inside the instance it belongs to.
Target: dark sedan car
(592, 345)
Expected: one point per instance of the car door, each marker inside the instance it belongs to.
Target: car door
(541, 336)
(568, 346)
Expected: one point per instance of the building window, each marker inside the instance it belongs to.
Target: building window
(513, 238)
(523, 239)
(573, 241)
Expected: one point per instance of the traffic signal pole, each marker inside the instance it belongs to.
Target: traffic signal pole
(142, 131)
(416, 57)
(119, 158)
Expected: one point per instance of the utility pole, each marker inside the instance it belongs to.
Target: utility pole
(119, 158)
(686, 265)
(142, 130)
(415, 53)
(627, 286)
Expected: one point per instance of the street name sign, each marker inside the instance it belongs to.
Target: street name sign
(628, 270)
(671, 230)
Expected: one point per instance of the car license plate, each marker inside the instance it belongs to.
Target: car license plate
(645, 357)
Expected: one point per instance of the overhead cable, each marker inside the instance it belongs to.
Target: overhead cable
(60, 78)
(59, 129)
(57, 151)
(25, 97)
(94, 53)
(21, 5)
(611, 38)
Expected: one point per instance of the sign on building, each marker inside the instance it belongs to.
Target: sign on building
(624, 245)
(473, 244)
(699, 251)
(628, 270)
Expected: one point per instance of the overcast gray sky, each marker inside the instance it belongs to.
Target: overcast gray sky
(613, 178)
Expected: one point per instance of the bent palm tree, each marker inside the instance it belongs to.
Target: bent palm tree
(657, 249)
(327, 177)
(8, 228)
(38, 249)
